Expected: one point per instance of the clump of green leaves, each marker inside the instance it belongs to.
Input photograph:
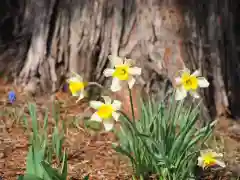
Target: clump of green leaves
(40, 153)
(164, 141)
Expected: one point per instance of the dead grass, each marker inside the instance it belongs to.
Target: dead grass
(88, 152)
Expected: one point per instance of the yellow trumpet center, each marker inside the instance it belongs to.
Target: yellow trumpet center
(208, 160)
(189, 82)
(105, 111)
(75, 86)
(121, 72)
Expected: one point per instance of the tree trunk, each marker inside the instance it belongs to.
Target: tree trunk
(213, 49)
(163, 36)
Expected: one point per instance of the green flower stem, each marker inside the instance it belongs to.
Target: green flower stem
(131, 103)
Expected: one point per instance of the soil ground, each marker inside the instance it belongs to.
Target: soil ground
(89, 152)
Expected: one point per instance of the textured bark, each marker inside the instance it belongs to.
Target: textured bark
(212, 47)
(79, 35)
(53, 37)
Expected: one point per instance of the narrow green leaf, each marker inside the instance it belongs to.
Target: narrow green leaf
(64, 167)
(51, 172)
(29, 177)
(33, 115)
(86, 177)
(45, 125)
(122, 151)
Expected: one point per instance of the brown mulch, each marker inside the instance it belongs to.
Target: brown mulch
(89, 152)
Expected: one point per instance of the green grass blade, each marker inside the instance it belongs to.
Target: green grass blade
(51, 172)
(33, 115)
(29, 177)
(64, 167)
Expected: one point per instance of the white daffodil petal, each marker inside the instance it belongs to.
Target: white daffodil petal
(115, 60)
(96, 117)
(178, 80)
(181, 93)
(74, 79)
(220, 163)
(202, 82)
(130, 62)
(78, 93)
(95, 104)
(185, 70)
(108, 125)
(196, 73)
(81, 96)
(203, 152)
(131, 82)
(217, 154)
(200, 161)
(115, 116)
(116, 105)
(107, 99)
(116, 85)
(194, 94)
(74, 74)
(135, 71)
(108, 72)
(75, 94)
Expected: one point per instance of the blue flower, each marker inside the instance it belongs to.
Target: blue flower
(65, 88)
(11, 96)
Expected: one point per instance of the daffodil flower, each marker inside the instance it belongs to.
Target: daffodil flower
(189, 83)
(209, 158)
(122, 71)
(106, 112)
(77, 86)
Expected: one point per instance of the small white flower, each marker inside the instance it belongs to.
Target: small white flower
(209, 158)
(122, 70)
(189, 83)
(77, 86)
(106, 112)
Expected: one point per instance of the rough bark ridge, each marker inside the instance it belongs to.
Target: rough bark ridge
(211, 45)
(79, 35)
